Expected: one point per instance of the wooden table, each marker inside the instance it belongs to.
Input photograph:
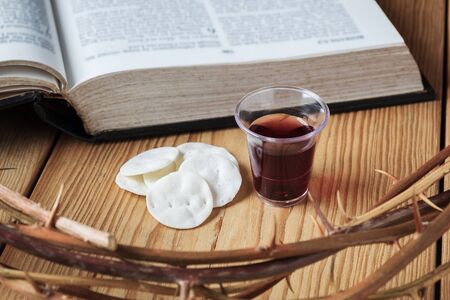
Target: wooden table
(396, 139)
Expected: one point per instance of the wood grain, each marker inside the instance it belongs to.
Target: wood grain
(349, 149)
(422, 25)
(25, 144)
(445, 284)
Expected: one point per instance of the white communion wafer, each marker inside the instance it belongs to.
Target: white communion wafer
(150, 161)
(189, 149)
(223, 177)
(134, 184)
(180, 200)
(151, 178)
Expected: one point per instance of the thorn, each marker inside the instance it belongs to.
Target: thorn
(222, 289)
(417, 218)
(124, 259)
(428, 201)
(7, 169)
(48, 289)
(415, 295)
(392, 177)
(289, 284)
(177, 290)
(192, 294)
(184, 289)
(333, 280)
(421, 292)
(397, 245)
(273, 242)
(316, 224)
(261, 249)
(330, 228)
(51, 218)
(341, 206)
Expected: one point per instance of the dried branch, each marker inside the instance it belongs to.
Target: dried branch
(25, 219)
(415, 286)
(413, 190)
(78, 281)
(399, 260)
(361, 234)
(408, 289)
(61, 280)
(135, 271)
(401, 214)
(335, 242)
(406, 182)
(103, 265)
(85, 293)
(78, 230)
(307, 246)
(27, 289)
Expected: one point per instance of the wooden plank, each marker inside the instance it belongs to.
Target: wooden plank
(422, 25)
(445, 284)
(351, 147)
(25, 144)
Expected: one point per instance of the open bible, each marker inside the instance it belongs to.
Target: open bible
(135, 67)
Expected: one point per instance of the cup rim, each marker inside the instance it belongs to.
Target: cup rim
(283, 140)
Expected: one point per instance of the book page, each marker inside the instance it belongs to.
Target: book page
(102, 37)
(28, 33)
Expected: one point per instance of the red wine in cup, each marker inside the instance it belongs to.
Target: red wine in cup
(281, 171)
